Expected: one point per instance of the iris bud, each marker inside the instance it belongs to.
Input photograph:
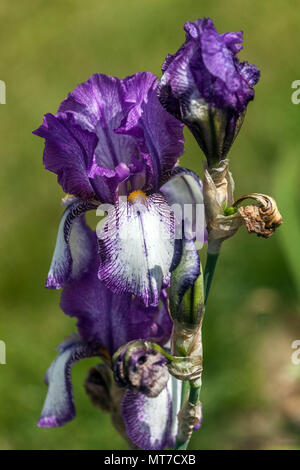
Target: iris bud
(186, 299)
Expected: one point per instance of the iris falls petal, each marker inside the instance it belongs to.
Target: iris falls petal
(72, 255)
(136, 246)
(59, 406)
(109, 320)
(151, 423)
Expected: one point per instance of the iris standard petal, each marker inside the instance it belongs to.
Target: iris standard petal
(59, 406)
(108, 181)
(98, 106)
(136, 247)
(151, 423)
(159, 135)
(72, 255)
(109, 130)
(68, 153)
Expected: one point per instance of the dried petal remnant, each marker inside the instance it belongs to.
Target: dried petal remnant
(97, 386)
(140, 368)
(189, 416)
(263, 218)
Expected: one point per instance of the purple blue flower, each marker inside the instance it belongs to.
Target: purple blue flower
(106, 321)
(205, 86)
(112, 142)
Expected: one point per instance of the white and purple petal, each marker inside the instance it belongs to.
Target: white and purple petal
(59, 405)
(151, 423)
(136, 247)
(72, 255)
(184, 194)
(110, 320)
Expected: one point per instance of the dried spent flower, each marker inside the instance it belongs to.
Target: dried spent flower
(189, 417)
(263, 218)
(141, 369)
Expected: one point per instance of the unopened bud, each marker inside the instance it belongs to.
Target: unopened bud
(186, 288)
(215, 129)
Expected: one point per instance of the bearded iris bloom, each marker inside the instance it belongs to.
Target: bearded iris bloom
(114, 145)
(105, 322)
(205, 86)
(112, 142)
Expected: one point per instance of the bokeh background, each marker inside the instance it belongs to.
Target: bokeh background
(251, 389)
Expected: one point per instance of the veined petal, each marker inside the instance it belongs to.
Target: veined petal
(217, 56)
(184, 194)
(98, 106)
(233, 41)
(136, 248)
(106, 123)
(72, 255)
(110, 320)
(151, 423)
(68, 152)
(108, 181)
(206, 68)
(158, 134)
(59, 405)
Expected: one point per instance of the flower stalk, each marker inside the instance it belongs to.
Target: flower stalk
(187, 311)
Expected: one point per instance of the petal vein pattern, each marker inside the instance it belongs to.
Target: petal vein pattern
(136, 248)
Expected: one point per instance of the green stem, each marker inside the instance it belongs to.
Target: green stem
(181, 445)
(194, 395)
(210, 266)
(184, 391)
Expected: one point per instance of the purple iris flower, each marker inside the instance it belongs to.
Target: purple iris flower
(112, 142)
(105, 322)
(205, 86)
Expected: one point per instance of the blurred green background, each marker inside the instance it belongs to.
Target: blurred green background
(251, 390)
